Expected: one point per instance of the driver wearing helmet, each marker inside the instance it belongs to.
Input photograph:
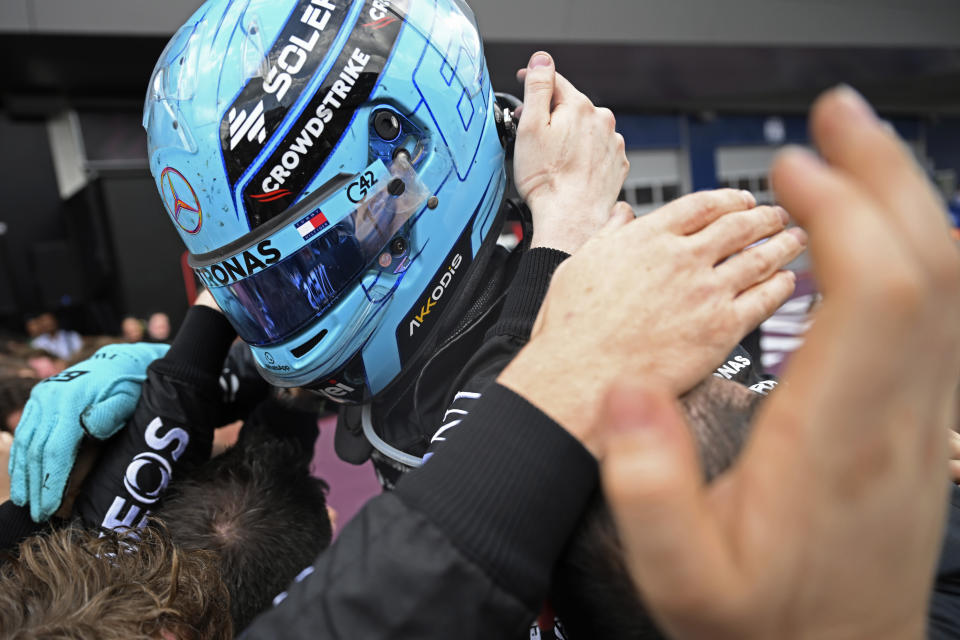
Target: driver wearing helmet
(348, 163)
(346, 160)
(336, 171)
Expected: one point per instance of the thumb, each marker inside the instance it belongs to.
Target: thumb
(538, 89)
(18, 466)
(654, 485)
(105, 418)
(620, 215)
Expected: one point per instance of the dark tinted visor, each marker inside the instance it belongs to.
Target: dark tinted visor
(281, 283)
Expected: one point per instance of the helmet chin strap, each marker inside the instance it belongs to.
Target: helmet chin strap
(380, 445)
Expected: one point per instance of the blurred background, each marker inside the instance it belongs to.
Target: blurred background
(705, 91)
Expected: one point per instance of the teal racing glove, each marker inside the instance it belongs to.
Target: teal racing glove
(95, 397)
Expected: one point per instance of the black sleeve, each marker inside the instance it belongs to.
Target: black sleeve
(171, 429)
(242, 385)
(526, 293)
(15, 526)
(463, 548)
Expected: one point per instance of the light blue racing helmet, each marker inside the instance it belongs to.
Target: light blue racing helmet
(333, 167)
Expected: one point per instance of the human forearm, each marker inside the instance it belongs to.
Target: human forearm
(171, 429)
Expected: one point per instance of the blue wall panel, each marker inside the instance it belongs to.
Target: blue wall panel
(651, 132)
(943, 143)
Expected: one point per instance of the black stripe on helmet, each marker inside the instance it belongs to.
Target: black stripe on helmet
(293, 59)
(319, 128)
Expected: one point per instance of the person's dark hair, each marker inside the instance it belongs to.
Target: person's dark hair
(74, 583)
(592, 592)
(257, 507)
(14, 393)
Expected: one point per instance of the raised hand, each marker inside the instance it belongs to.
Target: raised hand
(668, 294)
(830, 524)
(569, 161)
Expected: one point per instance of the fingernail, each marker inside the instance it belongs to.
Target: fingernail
(540, 59)
(799, 234)
(749, 197)
(852, 99)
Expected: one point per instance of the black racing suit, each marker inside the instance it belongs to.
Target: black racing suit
(410, 409)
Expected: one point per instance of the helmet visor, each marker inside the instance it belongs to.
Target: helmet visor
(287, 277)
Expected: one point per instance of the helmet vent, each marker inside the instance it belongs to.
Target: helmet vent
(306, 347)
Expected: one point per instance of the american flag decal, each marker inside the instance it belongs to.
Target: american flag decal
(312, 225)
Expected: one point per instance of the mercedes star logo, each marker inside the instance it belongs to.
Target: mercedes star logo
(181, 200)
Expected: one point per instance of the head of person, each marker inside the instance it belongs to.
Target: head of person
(47, 323)
(334, 167)
(158, 327)
(40, 324)
(259, 510)
(73, 583)
(592, 592)
(132, 329)
(43, 363)
(32, 326)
